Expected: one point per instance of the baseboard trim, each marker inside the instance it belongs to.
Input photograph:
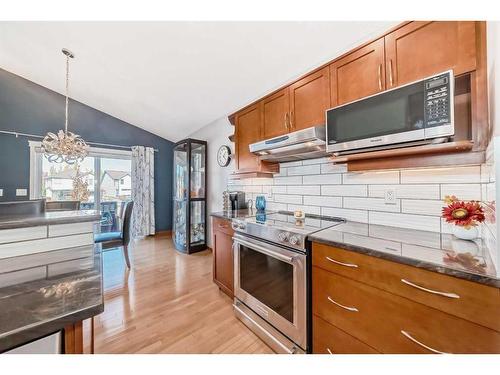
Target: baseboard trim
(163, 233)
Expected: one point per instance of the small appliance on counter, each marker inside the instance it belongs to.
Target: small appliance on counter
(237, 200)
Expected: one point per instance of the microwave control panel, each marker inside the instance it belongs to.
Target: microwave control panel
(437, 101)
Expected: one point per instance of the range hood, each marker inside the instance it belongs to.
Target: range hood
(303, 144)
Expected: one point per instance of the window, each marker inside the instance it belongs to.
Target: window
(102, 181)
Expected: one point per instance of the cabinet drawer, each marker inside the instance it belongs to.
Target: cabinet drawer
(392, 324)
(477, 303)
(328, 339)
(222, 225)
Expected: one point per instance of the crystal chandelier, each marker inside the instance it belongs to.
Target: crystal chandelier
(65, 146)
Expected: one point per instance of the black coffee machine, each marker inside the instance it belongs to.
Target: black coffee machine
(237, 200)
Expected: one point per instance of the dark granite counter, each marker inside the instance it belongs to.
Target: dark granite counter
(34, 309)
(48, 218)
(436, 252)
(238, 214)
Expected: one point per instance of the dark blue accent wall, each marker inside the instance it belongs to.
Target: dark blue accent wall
(26, 107)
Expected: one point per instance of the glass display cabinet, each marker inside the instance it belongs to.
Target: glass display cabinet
(190, 181)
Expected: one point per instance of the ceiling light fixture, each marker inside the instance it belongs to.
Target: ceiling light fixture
(65, 146)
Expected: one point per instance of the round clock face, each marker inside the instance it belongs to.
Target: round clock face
(224, 156)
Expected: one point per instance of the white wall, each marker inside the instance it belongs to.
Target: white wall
(492, 190)
(216, 134)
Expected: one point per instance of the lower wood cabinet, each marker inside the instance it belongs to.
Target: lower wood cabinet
(357, 316)
(328, 339)
(222, 246)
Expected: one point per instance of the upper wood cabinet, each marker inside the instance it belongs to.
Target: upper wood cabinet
(248, 130)
(358, 74)
(421, 49)
(275, 113)
(309, 99)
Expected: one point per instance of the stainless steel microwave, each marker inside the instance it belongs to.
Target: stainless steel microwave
(416, 113)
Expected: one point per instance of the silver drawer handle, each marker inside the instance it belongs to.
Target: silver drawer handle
(342, 264)
(344, 307)
(329, 351)
(408, 336)
(449, 295)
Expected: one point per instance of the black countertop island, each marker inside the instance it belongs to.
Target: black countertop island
(37, 308)
(50, 273)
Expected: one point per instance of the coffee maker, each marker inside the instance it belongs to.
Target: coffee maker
(237, 200)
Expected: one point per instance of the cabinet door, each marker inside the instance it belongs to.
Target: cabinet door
(248, 130)
(275, 114)
(358, 74)
(309, 99)
(420, 49)
(223, 261)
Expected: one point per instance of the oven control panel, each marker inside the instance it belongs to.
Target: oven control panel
(238, 225)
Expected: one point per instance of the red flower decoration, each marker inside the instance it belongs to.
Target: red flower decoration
(464, 214)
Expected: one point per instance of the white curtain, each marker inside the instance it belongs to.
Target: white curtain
(143, 187)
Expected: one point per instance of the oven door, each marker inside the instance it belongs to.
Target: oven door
(271, 280)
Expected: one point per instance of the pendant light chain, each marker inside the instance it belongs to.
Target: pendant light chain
(67, 95)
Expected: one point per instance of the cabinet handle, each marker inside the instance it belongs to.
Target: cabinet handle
(291, 121)
(329, 351)
(390, 73)
(380, 77)
(409, 337)
(342, 264)
(344, 307)
(449, 295)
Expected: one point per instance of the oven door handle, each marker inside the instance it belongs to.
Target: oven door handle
(265, 251)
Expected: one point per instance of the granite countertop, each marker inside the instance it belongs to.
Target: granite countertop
(34, 309)
(436, 252)
(238, 214)
(48, 218)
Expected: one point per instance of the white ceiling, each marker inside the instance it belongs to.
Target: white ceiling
(172, 78)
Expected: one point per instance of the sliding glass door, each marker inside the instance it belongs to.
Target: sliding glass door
(102, 181)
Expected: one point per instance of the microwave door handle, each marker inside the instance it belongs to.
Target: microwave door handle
(265, 251)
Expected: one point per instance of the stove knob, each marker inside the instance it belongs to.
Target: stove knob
(294, 240)
(241, 226)
(283, 236)
(234, 225)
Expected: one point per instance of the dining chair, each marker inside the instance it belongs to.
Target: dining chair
(118, 239)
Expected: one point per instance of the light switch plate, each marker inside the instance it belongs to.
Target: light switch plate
(390, 196)
(21, 192)
(1, 192)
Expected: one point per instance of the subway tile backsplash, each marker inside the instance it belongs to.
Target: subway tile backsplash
(318, 186)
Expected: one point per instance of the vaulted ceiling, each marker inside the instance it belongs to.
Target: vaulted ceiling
(172, 78)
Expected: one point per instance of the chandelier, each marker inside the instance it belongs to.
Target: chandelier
(65, 146)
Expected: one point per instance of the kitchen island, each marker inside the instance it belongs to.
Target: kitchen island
(50, 278)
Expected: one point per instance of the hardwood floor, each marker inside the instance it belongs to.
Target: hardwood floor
(167, 303)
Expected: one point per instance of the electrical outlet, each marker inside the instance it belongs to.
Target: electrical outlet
(21, 192)
(269, 195)
(390, 196)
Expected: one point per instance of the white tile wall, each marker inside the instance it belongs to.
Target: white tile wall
(320, 187)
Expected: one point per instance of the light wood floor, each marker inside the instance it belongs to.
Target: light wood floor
(167, 303)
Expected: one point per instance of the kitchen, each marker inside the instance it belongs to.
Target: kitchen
(348, 207)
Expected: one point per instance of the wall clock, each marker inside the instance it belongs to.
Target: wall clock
(224, 156)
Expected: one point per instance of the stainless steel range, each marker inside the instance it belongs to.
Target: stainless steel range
(271, 277)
